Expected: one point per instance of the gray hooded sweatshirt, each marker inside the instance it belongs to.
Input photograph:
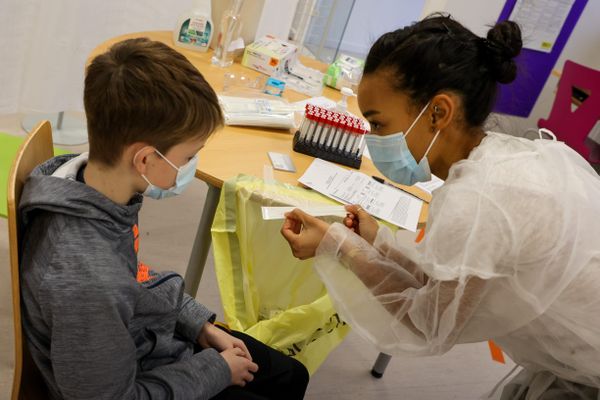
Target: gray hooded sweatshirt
(97, 327)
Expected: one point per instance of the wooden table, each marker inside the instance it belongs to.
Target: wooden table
(241, 150)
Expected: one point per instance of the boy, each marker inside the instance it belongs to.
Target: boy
(98, 323)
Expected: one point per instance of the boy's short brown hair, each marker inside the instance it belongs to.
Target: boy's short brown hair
(144, 91)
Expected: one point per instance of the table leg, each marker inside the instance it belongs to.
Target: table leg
(202, 242)
(380, 365)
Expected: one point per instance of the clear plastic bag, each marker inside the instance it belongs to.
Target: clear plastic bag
(252, 108)
(303, 79)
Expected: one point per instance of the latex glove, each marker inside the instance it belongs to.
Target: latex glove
(361, 222)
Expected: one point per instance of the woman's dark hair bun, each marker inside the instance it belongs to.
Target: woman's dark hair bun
(502, 45)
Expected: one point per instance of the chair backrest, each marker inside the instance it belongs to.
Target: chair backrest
(37, 148)
(573, 127)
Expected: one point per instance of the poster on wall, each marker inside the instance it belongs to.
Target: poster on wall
(544, 39)
(541, 21)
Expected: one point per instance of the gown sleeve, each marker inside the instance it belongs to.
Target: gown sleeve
(464, 283)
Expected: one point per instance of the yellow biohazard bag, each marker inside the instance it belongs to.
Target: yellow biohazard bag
(265, 291)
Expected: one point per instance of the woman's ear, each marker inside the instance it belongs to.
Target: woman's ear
(442, 111)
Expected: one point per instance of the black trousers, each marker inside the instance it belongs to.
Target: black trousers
(278, 376)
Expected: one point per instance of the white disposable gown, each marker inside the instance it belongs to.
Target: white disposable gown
(511, 253)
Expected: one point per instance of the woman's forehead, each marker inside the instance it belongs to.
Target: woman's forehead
(376, 92)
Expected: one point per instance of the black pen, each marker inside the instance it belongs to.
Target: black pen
(383, 181)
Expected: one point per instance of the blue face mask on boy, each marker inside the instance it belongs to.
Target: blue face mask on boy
(393, 158)
(185, 175)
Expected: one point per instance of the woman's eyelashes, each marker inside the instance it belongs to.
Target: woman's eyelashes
(375, 126)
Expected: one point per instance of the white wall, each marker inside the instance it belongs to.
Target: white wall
(44, 45)
(259, 18)
(582, 47)
(476, 15)
(371, 19)
(277, 18)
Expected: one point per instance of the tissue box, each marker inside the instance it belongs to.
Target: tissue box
(269, 55)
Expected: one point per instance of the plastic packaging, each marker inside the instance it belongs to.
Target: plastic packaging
(259, 110)
(274, 87)
(301, 78)
(238, 83)
(195, 28)
(345, 71)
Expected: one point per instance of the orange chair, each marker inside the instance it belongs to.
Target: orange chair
(573, 127)
(28, 383)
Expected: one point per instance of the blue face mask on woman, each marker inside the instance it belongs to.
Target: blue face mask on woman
(185, 175)
(393, 158)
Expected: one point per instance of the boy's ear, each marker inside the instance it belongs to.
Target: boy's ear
(138, 155)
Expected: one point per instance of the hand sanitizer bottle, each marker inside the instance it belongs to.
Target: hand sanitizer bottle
(342, 105)
(195, 28)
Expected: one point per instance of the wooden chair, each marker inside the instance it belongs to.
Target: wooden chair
(37, 148)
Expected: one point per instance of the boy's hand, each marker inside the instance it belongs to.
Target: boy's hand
(303, 232)
(211, 336)
(242, 369)
(362, 223)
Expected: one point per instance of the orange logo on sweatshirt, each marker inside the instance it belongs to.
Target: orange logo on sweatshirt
(136, 238)
(143, 272)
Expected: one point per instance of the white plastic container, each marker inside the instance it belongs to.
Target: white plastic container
(195, 28)
(342, 105)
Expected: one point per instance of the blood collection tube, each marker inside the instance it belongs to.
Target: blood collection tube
(335, 122)
(339, 134)
(357, 137)
(312, 126)
(363, 142)
(322, 127)
(304, 128)
(349, 136)
(345, 135)
(332, 127)
(305, 121)
(326, 130)
(351, 139)
(358, 129)
(318, 128)
(305, 124)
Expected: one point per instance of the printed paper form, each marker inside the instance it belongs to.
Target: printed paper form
(351, 187)
(541, 21)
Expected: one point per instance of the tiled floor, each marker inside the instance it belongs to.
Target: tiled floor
(464, 373)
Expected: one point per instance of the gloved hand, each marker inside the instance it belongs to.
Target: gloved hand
(361, 222)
